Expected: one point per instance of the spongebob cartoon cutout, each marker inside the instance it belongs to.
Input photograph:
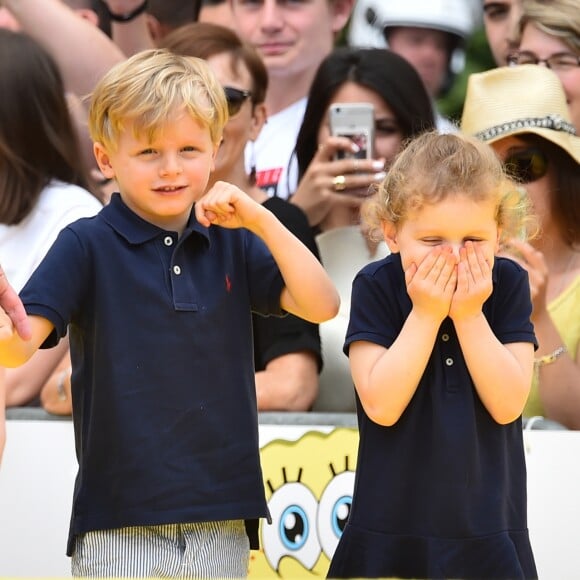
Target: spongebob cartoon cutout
(309, 484)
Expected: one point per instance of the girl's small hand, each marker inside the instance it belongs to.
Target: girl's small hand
(431, 284)
(474, 283)
(228, 206)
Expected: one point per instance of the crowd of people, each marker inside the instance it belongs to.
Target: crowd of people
(290, 273)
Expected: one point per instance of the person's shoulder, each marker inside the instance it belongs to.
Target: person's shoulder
(509, 277)
(388, 266)
(286, 212)
(59, 205)
(62, 197)
(505, 267)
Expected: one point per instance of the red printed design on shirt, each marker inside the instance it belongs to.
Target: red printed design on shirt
(267, 179)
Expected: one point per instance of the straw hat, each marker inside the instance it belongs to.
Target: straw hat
(520, 99)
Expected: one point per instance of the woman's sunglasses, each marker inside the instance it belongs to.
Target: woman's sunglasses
(235, 99)
(527, 165)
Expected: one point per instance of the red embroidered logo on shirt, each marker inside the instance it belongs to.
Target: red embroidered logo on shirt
(228, 283)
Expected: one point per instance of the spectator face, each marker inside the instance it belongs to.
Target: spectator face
(427, 50)
(291, 36)
(537, 189)
(243, 125)
(501, 18)
(542, 46)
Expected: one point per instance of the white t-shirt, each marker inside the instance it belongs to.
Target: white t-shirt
(272, 151)
(23, 246)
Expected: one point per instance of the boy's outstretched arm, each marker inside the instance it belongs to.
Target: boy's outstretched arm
(309, 292)
(14, 351)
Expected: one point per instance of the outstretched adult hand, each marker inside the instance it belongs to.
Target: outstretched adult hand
(14, 308)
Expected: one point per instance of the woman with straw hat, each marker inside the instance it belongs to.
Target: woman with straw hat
(522, 113)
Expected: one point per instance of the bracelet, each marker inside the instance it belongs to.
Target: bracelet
(548, 359)
(60, 384)
(126, 17)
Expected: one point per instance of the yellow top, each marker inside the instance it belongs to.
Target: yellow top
(565, 313)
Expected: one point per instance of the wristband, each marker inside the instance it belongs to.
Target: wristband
(126, 17)
(548, 359)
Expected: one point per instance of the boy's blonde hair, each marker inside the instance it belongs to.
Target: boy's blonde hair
(434, 167)
(150, 87)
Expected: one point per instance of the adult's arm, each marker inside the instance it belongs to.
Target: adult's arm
(82, 51)
(133, 36)
(55, 395)
(288, 383)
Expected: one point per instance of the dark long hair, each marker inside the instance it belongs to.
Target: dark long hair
(38, 142)
(379, 70)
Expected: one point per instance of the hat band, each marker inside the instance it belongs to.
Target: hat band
(555, 122)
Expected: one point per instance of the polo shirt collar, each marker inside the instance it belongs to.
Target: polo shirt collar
(135, 229)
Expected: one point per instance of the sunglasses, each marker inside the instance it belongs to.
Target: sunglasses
(527, 165)
(235, 99)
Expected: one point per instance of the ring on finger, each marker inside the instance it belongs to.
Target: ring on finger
(339, 183)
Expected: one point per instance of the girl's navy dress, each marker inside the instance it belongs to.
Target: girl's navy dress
(442, 493)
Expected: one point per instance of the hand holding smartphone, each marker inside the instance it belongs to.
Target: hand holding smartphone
(357, 122)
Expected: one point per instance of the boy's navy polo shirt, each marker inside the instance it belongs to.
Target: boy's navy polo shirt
(446, 483)
(164, 401)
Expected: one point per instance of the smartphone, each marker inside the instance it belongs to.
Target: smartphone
(357, 122)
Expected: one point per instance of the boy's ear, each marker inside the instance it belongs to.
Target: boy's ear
(390, 236)
(103, 160)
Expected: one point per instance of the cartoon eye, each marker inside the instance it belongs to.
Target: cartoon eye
(293, 532)
(333, 510)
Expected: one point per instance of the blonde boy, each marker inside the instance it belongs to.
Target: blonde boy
(158, 301)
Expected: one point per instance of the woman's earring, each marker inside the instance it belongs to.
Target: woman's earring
(252, 175)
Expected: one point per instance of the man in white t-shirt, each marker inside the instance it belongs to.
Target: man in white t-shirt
(293, 38)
